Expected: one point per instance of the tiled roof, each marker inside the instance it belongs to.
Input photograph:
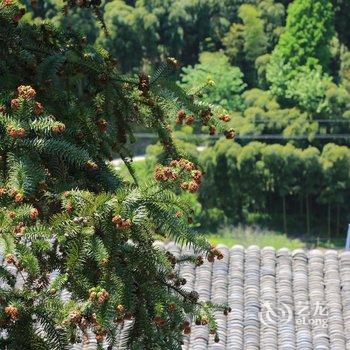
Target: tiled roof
(280, 299)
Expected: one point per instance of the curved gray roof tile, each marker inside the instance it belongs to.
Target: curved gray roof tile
(297, 300)
(287, 300)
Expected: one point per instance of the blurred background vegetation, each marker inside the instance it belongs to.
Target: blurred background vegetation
(281, 69)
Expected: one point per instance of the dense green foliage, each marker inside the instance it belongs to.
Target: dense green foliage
(307, 35)
(69, 222)
(297, 50)
(222, 83)
(270, 183)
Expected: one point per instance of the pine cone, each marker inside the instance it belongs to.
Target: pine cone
(15, 103)
(38, 108)
(9, 258)
(19, 198)
(34, 213)
(26, 92)
(75, 317)
(120, 308)
(12, 311)
(159, 321)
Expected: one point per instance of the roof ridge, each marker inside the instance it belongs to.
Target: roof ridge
(264, 248)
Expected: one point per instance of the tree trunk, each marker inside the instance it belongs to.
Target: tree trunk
(338, 219)
(329, 221)
(307, 215)
(240, 210)
(301, 205)
(284, 214)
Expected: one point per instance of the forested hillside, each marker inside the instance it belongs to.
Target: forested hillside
(281, 72)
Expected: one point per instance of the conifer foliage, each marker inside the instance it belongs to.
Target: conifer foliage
(68, 222)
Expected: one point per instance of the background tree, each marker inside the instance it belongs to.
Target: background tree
(247, 37)
(81, 19)
(273, 14)
(221, 165)
(335, 162)
(254, 184)
(129, 30)
(255, 41)
(345, 68)
(312, 178)
(306, 38)
(234, 44)
(222, 83)
(341, 22)
(282, 163)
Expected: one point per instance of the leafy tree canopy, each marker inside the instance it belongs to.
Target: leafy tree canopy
(308, 31)
(222, 83)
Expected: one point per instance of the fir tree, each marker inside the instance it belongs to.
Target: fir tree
(68, 221)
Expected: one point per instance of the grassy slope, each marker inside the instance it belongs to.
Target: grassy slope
(262, 239)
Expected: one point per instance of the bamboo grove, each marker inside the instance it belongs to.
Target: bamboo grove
(277, 184)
